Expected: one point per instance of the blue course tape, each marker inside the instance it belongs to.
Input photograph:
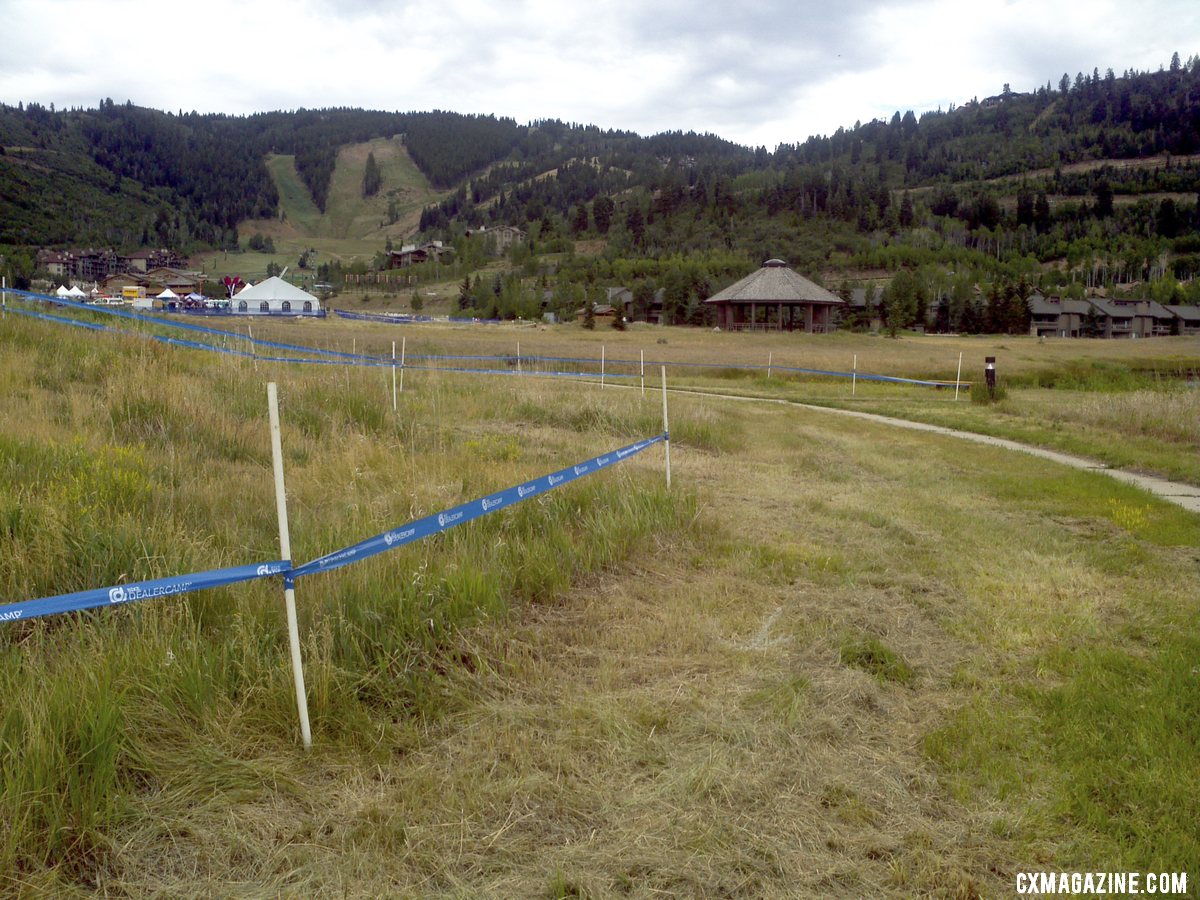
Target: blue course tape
(466, 512)
(140, 590)
(413, 531)
(186, 326)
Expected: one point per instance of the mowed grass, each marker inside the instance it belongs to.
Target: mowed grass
(1080, 364)
(1151, 429)
(838, 659)
(1126, 403)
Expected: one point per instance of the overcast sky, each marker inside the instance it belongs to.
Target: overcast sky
(754, 72)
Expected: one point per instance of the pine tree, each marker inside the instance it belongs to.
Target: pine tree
(579, 222)
(602, 212)
(372, 180)
(464, 293)
(619, 317)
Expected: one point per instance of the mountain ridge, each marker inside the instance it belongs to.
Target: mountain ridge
(978, 178)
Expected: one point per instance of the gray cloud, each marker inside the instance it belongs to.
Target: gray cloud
(762, 72)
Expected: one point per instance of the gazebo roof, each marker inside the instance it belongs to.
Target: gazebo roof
(775, 283)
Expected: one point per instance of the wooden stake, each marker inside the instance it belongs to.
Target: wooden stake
(958, 377)
(285, 550)
(666, 429)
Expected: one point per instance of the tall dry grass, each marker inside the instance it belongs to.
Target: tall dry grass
(123, 459)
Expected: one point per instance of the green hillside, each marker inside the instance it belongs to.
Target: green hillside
(352, 227)
(296, 205)
(1090, 186)
(349, 215)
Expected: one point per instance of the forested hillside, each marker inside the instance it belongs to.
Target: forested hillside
(1091, 180)
(201, 174)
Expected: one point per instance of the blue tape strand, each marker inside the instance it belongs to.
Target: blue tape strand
(466, 512)
(140, 590)
(406, 534)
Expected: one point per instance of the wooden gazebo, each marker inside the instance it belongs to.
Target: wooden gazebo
(775, 298)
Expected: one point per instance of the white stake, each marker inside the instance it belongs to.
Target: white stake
(393, 376)
(770, 359)
(854, 377)
(3, 298)
(666, 429)
(601, 365)
(958, 377)
(285, 549)
(254, 356)
(643, 353)
(403, 347)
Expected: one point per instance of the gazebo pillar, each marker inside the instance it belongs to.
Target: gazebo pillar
(808, 318)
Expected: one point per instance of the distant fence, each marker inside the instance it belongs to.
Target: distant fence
(234, 343)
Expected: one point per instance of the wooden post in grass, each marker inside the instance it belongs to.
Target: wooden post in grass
(403, 347)
(601, 365)
(854, 377)
(518, 357)
(958, 377)
(666, 429)
(250, 336)
(394, 376)
(643, 353)
(285, 549)
(3, 298)
(770, 359)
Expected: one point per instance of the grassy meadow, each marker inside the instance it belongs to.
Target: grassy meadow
(834, 659)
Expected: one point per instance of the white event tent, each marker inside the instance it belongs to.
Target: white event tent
(274, 296)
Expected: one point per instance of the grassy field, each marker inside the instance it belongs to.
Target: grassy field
(1130, 404)
(836, 659)
(1021, 361)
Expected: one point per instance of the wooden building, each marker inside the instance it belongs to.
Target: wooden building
(501, 236)
(775, 298)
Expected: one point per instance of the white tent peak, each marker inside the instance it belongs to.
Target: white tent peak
(275, 288)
